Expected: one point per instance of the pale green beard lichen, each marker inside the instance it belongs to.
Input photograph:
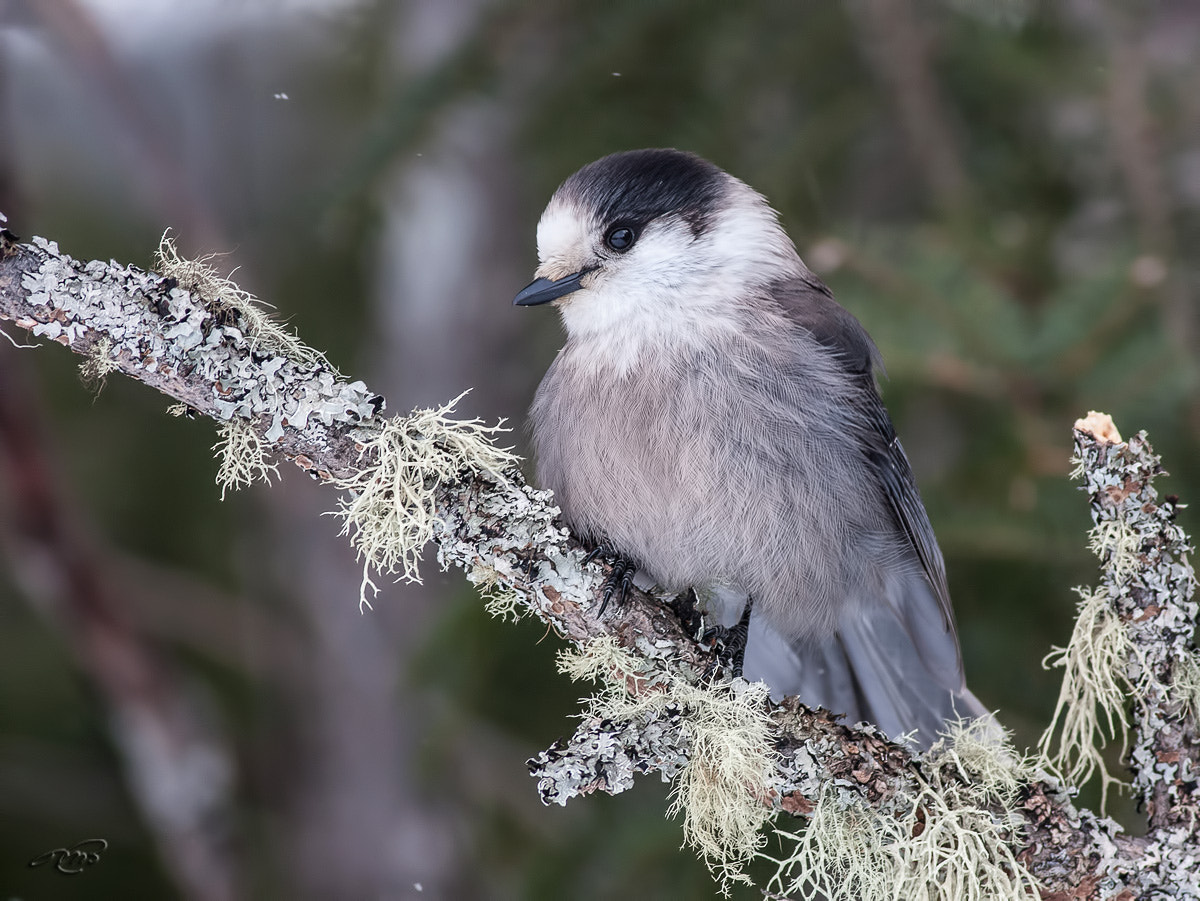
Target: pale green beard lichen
(1095, 663)
(243, 456)
(95, 368)
(499, 600)
(390, 515)
(1092, 699)
(720, 790)
(951, 839)
(263, 332)
(1187, 683)
(1116, 544)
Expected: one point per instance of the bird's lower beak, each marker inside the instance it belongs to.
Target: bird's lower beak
(544, 290)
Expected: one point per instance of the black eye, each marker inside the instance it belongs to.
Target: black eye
(620, 238)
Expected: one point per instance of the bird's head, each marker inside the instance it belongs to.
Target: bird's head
(655, 245)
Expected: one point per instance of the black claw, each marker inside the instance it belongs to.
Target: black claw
(619, 578)
(731, 642)
(608, 593)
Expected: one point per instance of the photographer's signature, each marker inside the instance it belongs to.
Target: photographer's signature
(74, 859)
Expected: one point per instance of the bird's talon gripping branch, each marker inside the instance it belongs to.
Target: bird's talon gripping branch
(619, 579)
(618, 583)
(730, 644)
(600, 550)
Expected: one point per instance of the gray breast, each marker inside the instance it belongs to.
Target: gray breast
(723, 465)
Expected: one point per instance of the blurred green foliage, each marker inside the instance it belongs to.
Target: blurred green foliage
(1038, 293)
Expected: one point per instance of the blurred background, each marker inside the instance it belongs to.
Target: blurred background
(1005, 192)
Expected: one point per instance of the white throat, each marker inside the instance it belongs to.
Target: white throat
(674, 288)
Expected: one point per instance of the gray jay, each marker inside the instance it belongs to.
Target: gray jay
(713, 419)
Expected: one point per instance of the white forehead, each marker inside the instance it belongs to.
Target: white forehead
(563, 232)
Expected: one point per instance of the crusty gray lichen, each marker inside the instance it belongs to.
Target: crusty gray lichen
(1133, 640)
(720, 732)
(604, 755)
(1149, 586)
(511, 531)
(187, 345)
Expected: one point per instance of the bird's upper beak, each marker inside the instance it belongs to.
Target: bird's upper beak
(544, 290)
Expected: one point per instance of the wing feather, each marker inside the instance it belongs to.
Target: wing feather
(808, 302)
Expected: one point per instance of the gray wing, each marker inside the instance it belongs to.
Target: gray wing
(868, 671)
(924, 609)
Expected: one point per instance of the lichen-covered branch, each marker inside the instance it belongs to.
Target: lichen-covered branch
(1150, 584)
(197, 350)
(969, 820)
(1144, 607)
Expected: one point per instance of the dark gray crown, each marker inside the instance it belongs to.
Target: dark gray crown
(637, 186)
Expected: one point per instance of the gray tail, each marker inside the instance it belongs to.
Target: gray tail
(895, 664)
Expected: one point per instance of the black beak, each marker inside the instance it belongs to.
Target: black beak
(544, 290)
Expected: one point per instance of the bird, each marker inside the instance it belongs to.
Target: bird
(713, 420)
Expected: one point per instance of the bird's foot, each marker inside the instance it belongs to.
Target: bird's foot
(730, 643)
(619, 579)
(686, 607)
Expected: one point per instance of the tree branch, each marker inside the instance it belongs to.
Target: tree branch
(1149, 583)
(203, 352)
